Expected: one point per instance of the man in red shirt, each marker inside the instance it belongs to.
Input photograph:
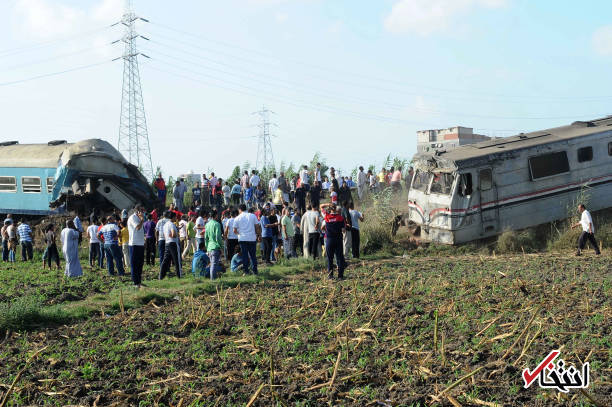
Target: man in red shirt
(160, 185)
(334, 226)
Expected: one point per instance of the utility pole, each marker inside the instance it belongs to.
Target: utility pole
(133, 135)
(265, 156)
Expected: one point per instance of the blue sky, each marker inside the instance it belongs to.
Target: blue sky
(351, 79)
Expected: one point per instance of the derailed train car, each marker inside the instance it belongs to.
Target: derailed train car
(43, 179)
(480, 190)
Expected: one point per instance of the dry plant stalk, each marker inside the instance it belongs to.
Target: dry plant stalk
(435, 333)
(121, 307)
(522, 334)
(255, 395)
(18, 376)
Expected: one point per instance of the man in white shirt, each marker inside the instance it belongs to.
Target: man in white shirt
(310, 229)
(588, 230)
(136, 244)
(213, 180)
(317, 176)
(272, 185)
(362, 181)
(305, 177)
(94, 246)
(172, 253)
(161, 240)
(356, 217)
(248, 229)
(200, 226)
(254, 181)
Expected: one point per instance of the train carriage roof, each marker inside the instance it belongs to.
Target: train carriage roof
(486, 149)
(48, 155)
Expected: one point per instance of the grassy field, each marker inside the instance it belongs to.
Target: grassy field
(413, 330)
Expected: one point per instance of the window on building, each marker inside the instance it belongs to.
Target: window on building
(421, 180)
(547, 165)
(30, 184)
(465, 184)
(8, 184)
(486, 179)
(442, 183)
(585, 154)
(50, 181)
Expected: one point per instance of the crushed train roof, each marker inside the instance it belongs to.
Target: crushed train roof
(524, 140)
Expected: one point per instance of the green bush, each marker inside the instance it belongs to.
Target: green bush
(377, 229)
(512, 241)
(27, 312)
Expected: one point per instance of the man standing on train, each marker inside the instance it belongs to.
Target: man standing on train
(588, 230)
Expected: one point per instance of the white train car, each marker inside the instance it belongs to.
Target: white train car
(480, 190)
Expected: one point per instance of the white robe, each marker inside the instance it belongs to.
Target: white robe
(70, 248)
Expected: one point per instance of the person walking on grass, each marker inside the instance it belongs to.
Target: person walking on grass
(356, 217)
(248, 230)
(334, 226)
(213, 238)
(70, 248)
(588, 230)
(25, 240)
(347, 235)
(51, 255)
(136, 244)
(172, 253)
(94, 244)
(110, 234)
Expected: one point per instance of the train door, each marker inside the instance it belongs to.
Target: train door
(489, 210)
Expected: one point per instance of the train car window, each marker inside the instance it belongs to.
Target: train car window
(30, 184)
(486, 179)
(549, 164)
(8, 184)
(421, 180)
(442, 183)
(465, 184)
(50, 184)
(585, 154)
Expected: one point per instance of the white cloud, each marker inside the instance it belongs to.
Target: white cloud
(48, 19)
(602, 40)
(425, 17)
(281, 17)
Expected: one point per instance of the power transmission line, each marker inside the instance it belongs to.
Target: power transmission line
(133, 133)
(78, 68)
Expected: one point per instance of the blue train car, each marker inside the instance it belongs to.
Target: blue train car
(43, 179)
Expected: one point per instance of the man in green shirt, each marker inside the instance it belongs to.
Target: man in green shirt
(288, 233)
(213, 237)
(191, 240)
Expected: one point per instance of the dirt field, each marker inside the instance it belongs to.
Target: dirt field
(399, 331)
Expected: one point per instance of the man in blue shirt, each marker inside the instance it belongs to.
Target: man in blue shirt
(110, 234)
(25, 240)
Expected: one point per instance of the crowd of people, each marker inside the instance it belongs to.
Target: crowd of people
(224, 225)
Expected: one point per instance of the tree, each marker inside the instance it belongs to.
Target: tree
(317, 158)
(235, 175)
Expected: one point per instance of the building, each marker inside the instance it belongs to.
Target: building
(447, 139)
